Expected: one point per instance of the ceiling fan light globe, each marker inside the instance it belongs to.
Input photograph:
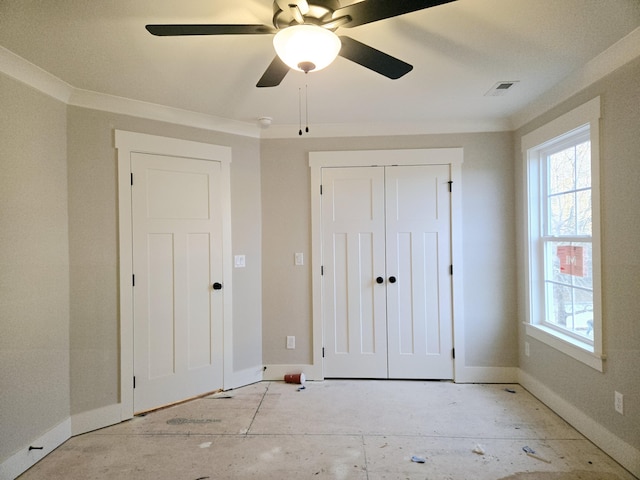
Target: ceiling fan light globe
(302, 45)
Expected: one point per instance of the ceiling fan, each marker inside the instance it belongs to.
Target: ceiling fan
(292, 19)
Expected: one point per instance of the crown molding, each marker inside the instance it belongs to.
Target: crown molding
(383, 129)
(163, 113)
(30, 74)
(620, 53)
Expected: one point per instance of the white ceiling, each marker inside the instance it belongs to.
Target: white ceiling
(459, 51)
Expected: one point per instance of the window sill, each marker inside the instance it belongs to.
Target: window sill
(583, 352)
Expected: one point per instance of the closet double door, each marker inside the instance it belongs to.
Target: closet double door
(386, 280)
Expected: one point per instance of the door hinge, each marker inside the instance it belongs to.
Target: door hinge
(320, 189)
(453, 353)
(322, 352)
(132, 179)
(134, 382)
(450, 269)
(450, 182)
(133, 280)
(321, 270)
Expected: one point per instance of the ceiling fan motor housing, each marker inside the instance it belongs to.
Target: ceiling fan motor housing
(320, 11)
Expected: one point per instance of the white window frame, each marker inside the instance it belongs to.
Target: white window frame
(534, 145)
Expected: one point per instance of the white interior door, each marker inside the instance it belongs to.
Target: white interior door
(354, 315)
(418, 243)
(178, 313)
(386, 254)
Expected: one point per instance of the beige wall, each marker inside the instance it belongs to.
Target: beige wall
(34, 266)
(592, 392)
(93, 238)
(488, 214)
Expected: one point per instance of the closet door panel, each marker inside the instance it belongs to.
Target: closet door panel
(418, 252)
(354, 313)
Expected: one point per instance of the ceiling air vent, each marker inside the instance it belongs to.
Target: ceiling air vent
(500, 88)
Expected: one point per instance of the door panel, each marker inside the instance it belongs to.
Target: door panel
(353, 244)
(199, 300)
(419, 255)
(160, 328)
(177, 234)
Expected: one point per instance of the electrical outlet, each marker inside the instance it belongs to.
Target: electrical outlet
(291, 342)
(618, 403)
(526, 349)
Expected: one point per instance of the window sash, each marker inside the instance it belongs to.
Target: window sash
(564, 225)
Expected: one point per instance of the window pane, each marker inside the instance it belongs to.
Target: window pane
(584, 212)
(559, 304)
(562, 214)
(583, 165)
(561, 171)
(582, 319)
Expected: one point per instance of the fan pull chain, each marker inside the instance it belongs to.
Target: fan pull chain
(306, 109)
(300, 111)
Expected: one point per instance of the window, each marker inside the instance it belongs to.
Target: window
(563, 248)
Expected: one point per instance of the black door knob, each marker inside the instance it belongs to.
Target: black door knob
(217, 286)
(392, 279)
(379, 280)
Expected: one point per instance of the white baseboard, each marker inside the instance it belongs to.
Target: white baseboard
(623, 453)
(95, 419)
(486, 375)
(245, 377)
(277, 372)
(24, 459)
(462, 375)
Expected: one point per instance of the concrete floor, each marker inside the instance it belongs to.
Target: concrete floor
(339, 429)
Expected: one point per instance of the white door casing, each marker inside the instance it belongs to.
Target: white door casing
(128, 145)
(177, 257)
(452, 159)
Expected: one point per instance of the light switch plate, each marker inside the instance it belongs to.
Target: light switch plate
(239, 261)
(299, 258)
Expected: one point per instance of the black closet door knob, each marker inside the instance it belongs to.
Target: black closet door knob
(379, 280)
(217, 286)
(392, 279)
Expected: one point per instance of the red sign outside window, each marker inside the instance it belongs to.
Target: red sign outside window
(571, 260)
